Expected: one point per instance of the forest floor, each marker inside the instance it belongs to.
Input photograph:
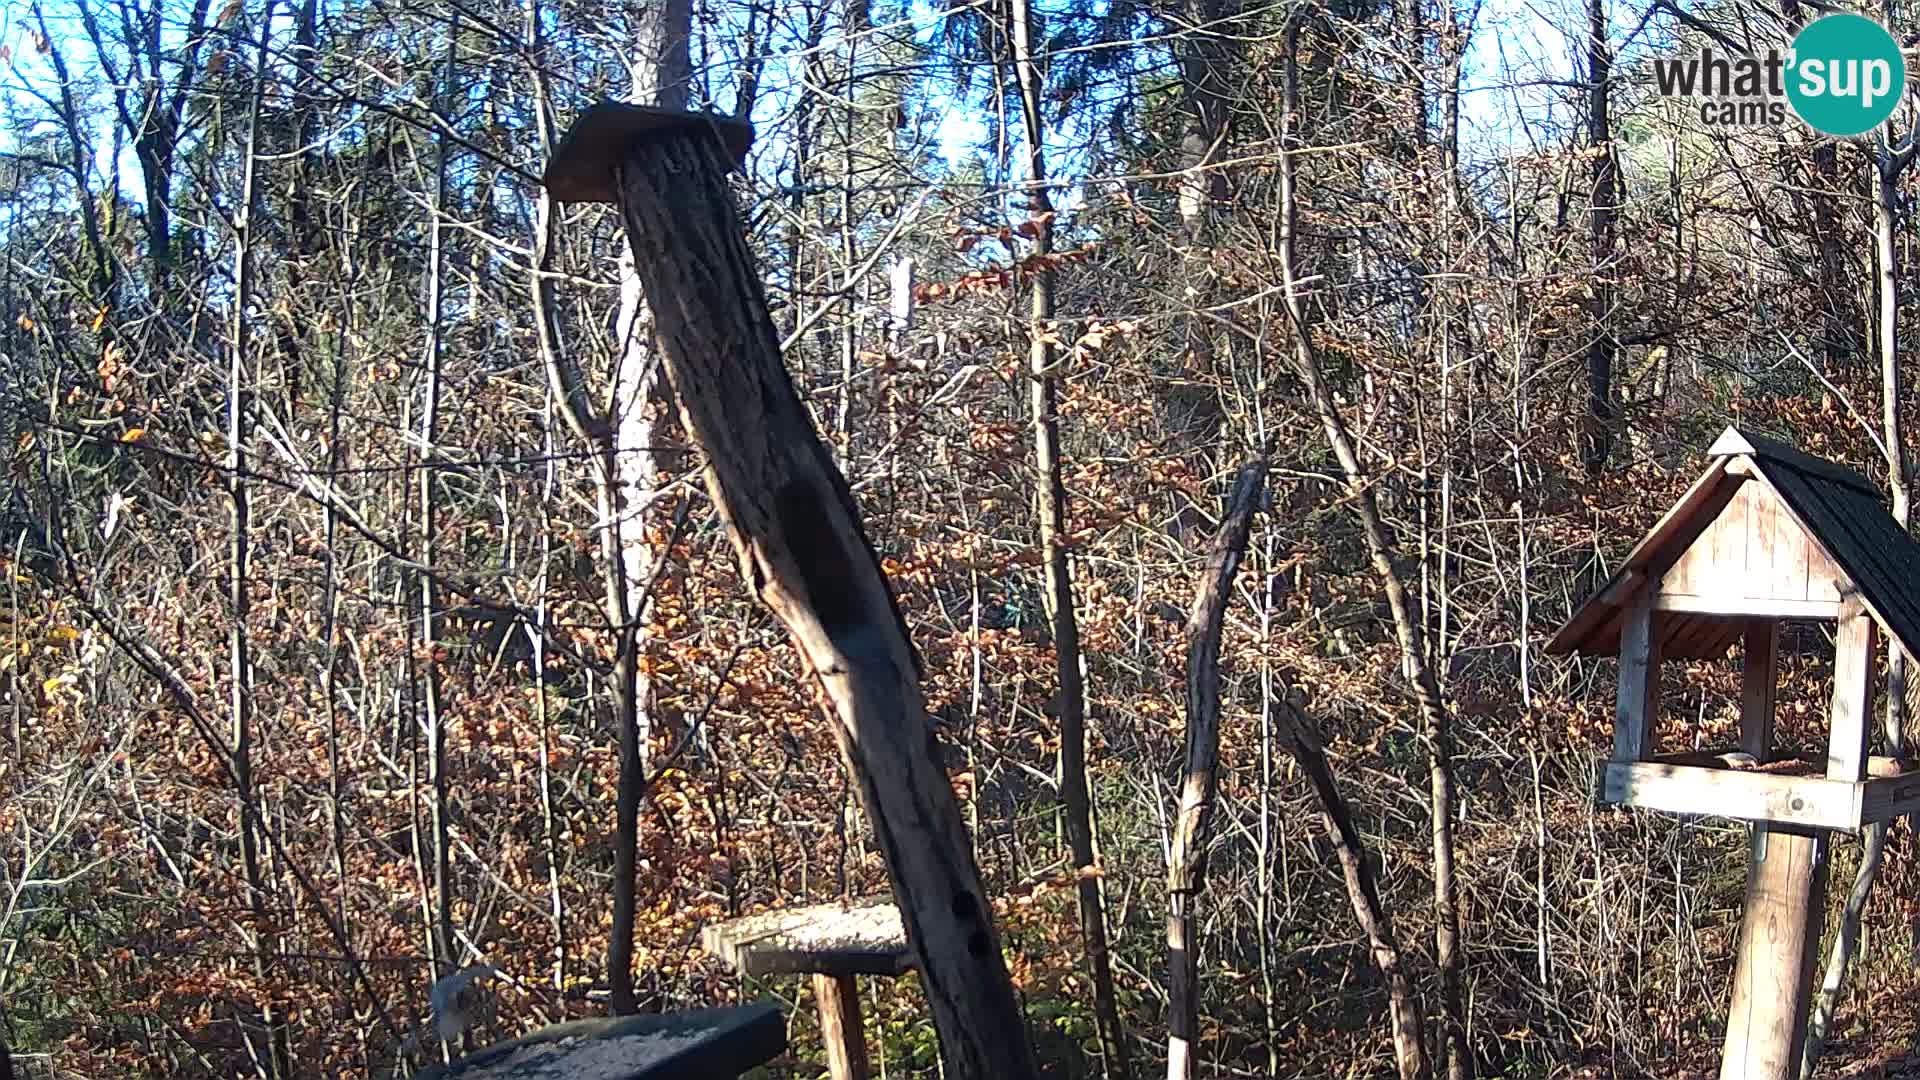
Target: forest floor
(1891, 1053)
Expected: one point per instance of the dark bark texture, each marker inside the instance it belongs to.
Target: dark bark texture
(802, 550)
(1193, 821)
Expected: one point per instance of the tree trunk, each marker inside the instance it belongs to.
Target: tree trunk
(1836, 340)
(1204, 58)
(430, 533)
(1456, 349)
(1193, 819)
(566, 398)
(1363, 891)
(1886, 208)
(1836, 343)
(1846, 937)
(272, 1058)
(153, 121)
(1602, 197)
(662, 70)
(78, 166)
(1190, 406)
(803, 551)
(1052, 510)
(1411, 19)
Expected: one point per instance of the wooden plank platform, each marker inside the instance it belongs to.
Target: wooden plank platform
(694, 1044)
(862, 938)
(1789, 792)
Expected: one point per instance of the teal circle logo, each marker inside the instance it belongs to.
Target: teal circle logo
(1845, 75)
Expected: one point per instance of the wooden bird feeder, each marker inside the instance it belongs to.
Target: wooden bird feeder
(1767, 535)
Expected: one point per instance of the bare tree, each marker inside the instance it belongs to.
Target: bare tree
(662, 74)
(1051, 508)
(433, 710)
(1602, 198)
(270, 1055)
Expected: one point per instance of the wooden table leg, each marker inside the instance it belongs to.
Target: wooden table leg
(838, 1000)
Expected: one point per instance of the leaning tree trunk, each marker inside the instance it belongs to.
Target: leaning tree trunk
(1193, 822)
(797, 532)
(1363, 892)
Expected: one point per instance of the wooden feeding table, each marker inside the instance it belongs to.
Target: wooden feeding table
(1768, 535)
(1791, 790)
(697, 1044)
(832, 942)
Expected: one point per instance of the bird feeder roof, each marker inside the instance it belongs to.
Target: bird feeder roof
(1767, 531)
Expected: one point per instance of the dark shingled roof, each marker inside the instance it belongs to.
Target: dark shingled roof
(1843, 512)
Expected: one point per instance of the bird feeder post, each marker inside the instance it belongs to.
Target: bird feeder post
(802, 549)
(1779, 948)
(842, 1033)
(1785, 908)
(1785, 902)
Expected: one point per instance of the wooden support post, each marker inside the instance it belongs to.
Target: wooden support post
(1779, 948)
(1852, 696)
(1785, 905)
(1638, 702)
(802, 549)
(841, 1032)
(1758, 678)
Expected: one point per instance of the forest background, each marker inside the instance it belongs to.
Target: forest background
(367, 619)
